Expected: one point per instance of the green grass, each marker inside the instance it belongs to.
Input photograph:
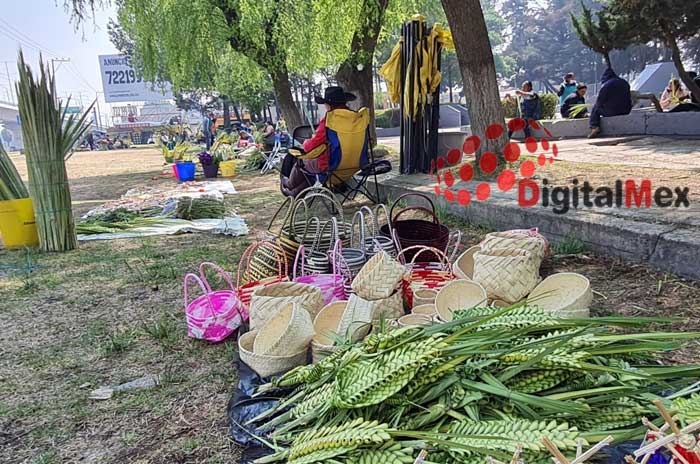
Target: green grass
(569, 246)
(118, 342)
(48, 457)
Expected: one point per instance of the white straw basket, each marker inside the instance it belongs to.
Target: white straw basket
(268, 301)
(265, 365)
(288, 331)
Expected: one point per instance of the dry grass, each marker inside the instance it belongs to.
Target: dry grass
(111, 312)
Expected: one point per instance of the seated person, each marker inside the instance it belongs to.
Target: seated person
(692, 103)
(576, 98)
(614, 99)
(567, 87)
(298, 174)
(269, 135)
(245, 140)
(673, 95)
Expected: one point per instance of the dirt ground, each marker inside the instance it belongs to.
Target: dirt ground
(112, 311)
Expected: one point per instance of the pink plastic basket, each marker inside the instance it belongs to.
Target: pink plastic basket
(214, 315)
(331, 285)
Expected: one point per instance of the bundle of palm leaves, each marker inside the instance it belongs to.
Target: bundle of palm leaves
(482, 385)
(11, 185)
(50, 134)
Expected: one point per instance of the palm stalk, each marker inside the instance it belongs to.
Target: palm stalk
(11, 185)
(49, 136)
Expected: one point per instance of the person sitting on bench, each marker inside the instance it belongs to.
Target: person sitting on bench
(614, 99)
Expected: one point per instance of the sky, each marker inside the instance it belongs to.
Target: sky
(44, 25)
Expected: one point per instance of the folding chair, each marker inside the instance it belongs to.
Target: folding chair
(273, 158)
(351, 162)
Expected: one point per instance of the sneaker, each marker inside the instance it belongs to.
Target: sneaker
(595, 131)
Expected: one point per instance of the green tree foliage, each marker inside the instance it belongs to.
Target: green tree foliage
(604, 34)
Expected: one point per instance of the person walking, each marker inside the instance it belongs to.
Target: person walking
(614, 99)
(567, 87)
(576, 98)
(207, 122)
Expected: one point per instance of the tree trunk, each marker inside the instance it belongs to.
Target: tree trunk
(236, 112)
(606, 57)
(283, 90)
(478, 69)
(364, 42)
(678, 62)
(449, 82)
(227, 112)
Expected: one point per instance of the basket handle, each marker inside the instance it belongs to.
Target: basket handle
(444, 260)
(335, 234)
(286, 201)
(369, 214)
(415, 208)
(340, 266)
(381, 208)
(332, 255)
(457, 235)
(189, 276)
(411, 194)
(300, 254)
(361, 227)
(317, 240)
(225, 275)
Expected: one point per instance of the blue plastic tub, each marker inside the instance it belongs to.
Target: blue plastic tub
(185, 171)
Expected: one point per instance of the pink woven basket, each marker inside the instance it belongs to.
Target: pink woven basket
(245, 291)
(332, 285)
(215, 314)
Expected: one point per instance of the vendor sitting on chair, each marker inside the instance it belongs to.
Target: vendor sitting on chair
(298, 174)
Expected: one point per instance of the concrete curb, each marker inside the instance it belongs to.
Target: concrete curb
(665, 247)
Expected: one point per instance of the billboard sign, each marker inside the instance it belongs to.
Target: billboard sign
(121, 83)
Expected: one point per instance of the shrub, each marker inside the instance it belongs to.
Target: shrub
(548, 105)
(388, 118)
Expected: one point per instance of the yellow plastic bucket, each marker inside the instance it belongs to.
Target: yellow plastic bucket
(228, 168)
(17, 223)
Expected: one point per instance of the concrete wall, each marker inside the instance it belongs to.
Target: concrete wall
(635, 123)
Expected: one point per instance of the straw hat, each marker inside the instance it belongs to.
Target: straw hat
(289, 331)
(266, 365)
(564, 295)
(414, 320)
(464, 265)
(425, 310)
(325, 325)
(458, 294)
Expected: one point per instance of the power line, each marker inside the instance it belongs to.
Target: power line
(79, 75)
(25, 38)
(23, 42)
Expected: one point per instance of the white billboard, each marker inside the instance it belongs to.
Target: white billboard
(121, 83)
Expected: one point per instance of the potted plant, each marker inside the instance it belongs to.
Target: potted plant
(210, 164)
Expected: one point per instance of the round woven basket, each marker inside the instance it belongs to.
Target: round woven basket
(288, 331)
(268, 301)
(424, 296)
(326, 325)
(458, 294)
(506, 274)
(266, 365)
(564, 295)
(464, 264)
(425, 310)
(414, 320)
(378, 277)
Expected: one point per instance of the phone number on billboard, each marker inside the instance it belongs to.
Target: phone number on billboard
(122, 77)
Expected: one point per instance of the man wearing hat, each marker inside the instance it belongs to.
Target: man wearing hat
(294, 180)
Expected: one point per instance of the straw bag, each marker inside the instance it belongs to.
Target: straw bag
(459, 294)
(516, 240)
(413, 232)
(379, 277)
(214, 315)
(289, 331)
(419, 275)
(332, 285)
(267, 365)
(566, 295)
(268, 301)
(326, 326)
(506, 274)
(245, 284)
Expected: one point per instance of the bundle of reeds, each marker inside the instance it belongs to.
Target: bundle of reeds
(49, 136)
(11, 185)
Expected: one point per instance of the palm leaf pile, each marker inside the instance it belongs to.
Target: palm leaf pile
(11, 185)
(577, 109)
(49, 137)
(481, 385)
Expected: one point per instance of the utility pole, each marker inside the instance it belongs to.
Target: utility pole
(53, 72)
(9, 82)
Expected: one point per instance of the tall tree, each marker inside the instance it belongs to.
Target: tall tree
(608, 33)
(478, 69)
